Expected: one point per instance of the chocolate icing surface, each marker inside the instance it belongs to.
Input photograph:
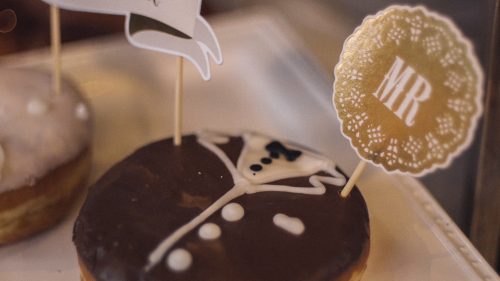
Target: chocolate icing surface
(160, 187)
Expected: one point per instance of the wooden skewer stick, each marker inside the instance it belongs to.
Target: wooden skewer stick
(354, 178)
(55, 31)
(179, 93)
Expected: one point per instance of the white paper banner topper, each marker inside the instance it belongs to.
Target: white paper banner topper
(170, 26)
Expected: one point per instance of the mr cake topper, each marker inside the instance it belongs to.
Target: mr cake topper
(169, 26)
(408, 90)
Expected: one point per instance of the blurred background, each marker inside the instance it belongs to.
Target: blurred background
(322, 25)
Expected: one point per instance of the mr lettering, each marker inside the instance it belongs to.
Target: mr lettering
(403, 90)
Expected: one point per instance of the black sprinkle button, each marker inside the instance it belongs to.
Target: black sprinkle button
(266, 160)
(256, 167)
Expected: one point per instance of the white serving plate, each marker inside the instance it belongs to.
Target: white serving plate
(269, 84)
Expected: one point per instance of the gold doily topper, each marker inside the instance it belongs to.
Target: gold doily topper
(408, 90)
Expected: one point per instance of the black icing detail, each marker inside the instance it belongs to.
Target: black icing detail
(277, 147)
(256, 167)
(274, 155)
(266, 160)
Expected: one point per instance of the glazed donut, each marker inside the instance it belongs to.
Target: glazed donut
(225, 208)
(44, 151)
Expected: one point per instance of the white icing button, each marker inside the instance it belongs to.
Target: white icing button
(37, 107)
(293, 225)
(209, 231)
(233, 212)
(2, 160)
(81, 112)
(179, 260)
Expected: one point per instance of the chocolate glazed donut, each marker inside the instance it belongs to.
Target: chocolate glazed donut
(159, 201)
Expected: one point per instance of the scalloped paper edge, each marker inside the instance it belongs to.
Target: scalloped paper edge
(479, 87)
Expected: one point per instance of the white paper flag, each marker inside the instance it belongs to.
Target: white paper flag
(170, 26)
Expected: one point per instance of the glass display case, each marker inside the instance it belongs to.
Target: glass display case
(274, 47)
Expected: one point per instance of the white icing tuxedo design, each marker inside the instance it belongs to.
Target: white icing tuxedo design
(248, 181)
(183, 16)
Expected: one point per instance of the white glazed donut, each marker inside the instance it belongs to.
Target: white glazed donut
(44, 151)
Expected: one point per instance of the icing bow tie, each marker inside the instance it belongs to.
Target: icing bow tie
(276, 148)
